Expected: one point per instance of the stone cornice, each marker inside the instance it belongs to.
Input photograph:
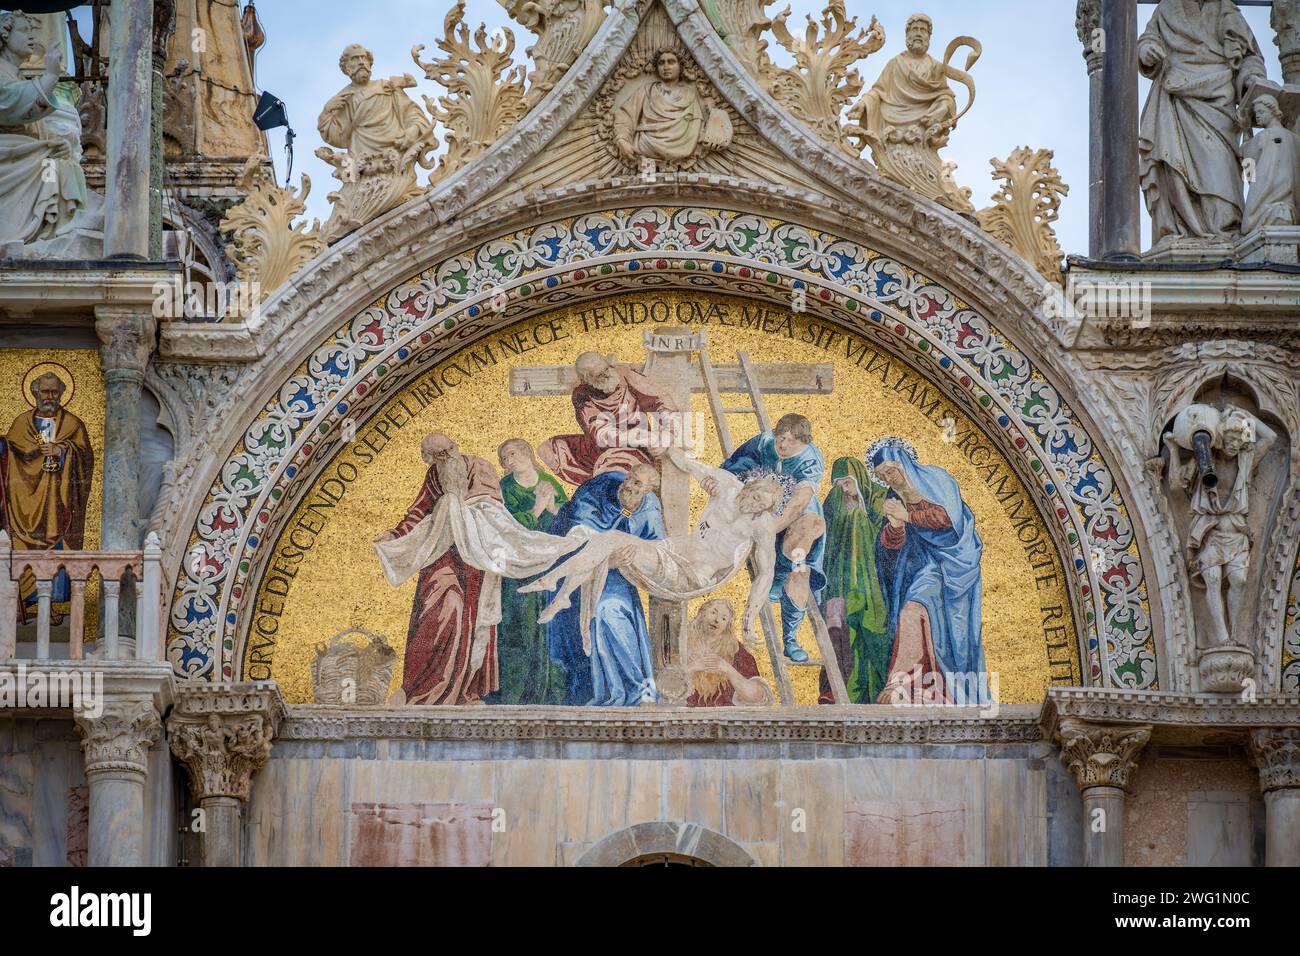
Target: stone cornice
(1169, 713)
(31, 291)
(848, 725)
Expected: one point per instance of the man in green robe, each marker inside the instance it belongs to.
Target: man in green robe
(853, 603)
(527, 673)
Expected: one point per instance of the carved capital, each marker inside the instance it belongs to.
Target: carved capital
(223, 735)
(126, 340)
(1276, 751)
(1101, 755)
(1087, 21)
(119, 738)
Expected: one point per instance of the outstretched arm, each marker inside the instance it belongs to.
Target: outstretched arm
(708, 477)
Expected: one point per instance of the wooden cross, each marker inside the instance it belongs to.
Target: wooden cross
(670, 362)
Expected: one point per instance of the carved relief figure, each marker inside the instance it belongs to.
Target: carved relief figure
(929, 563)
(1200, 56)
(451, 656)
(910, 112)
(40, 140)
(1227, 446)
(788, 450)
(1275, 151)
(385, 134)
(664, 117)
(723, 672)
(613, 405)
(46, 466)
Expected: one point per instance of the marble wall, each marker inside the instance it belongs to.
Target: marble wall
(531, 803)
(44, 800)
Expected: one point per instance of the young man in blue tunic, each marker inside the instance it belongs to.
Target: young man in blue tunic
(613, 667)
(788, 450)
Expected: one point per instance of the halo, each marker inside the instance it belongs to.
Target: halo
(36, 371)
(879, 444)
(787, 484)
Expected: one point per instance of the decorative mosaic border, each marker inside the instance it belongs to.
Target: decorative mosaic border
(426, 319)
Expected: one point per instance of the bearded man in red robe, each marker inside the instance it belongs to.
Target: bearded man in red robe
(442, 664)
(618, 410)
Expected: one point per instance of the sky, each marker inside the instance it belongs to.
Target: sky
(1031, 83)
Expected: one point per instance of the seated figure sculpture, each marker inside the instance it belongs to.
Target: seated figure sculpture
(46, 203)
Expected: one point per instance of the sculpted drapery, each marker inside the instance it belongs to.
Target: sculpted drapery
(1200, 56)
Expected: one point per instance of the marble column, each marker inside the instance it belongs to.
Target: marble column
(1276, 751)
(116, 745)
(1122, 204)
(130, 99)
(1285, 20)
(127, 340)
(1087, 22)
(223, 735)
(1102, 758)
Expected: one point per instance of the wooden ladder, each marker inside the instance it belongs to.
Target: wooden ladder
(775, 647)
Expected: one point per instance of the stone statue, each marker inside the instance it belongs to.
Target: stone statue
(910, 112)
(385, 134)
(1274, 174)
(1227, 445)
(41, 180)
(663, 117)
(1201, 57)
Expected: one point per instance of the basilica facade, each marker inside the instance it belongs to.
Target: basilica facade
(655, 456)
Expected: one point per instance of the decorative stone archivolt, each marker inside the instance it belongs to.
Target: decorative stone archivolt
(661, 837)
(429, 316)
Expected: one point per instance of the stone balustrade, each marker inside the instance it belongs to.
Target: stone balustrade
(117, 573)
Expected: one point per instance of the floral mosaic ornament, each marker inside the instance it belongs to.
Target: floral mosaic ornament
(426, 319)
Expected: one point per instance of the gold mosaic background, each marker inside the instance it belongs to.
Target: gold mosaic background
(339, 585)
(87, 403)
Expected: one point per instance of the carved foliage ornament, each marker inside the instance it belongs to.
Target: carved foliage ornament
(824, 80)
(563, 29)
(221, 752)
(267, 246)
(1276, 751)
(120, 738)
(485, 89)
(1101, 755)
(1025, 207)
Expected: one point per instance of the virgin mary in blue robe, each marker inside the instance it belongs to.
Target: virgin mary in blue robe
(620, 671)
(932, 561)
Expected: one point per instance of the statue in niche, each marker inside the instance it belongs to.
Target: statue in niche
(44, 189)
(661, 116)
(1201, 58)
(910, 112)
(1275, 155)
(384, 133)
(1226, 446)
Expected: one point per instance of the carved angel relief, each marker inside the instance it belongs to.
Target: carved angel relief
(661, 113)
(1025, 207)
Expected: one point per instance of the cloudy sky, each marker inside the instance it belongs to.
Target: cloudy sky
(1032, 87)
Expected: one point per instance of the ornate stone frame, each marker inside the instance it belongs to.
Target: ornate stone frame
(844, 197)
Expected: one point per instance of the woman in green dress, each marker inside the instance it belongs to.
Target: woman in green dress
(527, 673)
(853, 603)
